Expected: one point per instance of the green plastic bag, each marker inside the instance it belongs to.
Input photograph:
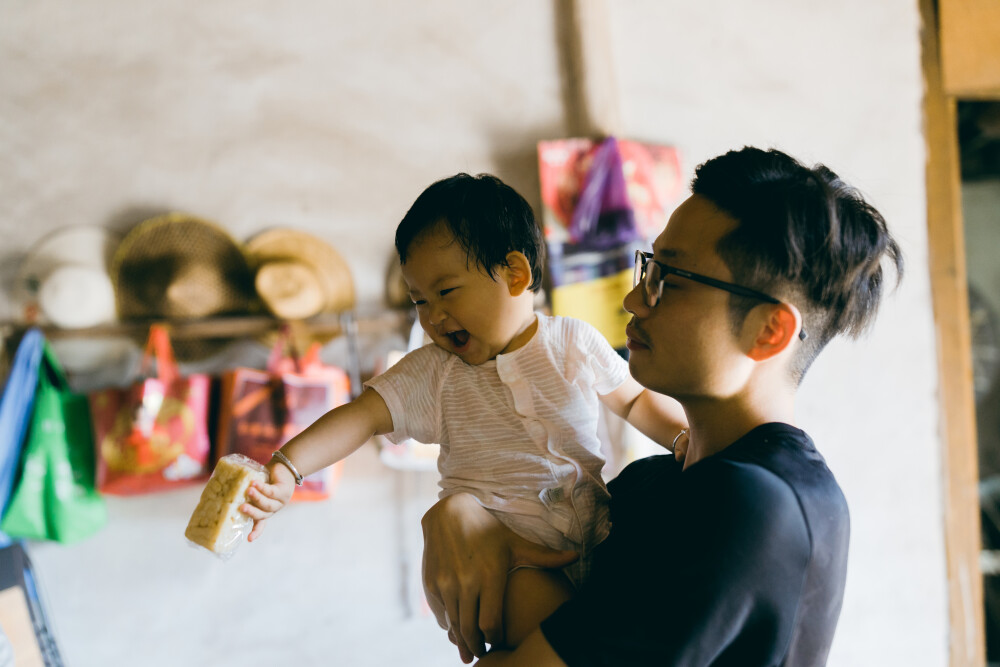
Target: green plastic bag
(55, 498)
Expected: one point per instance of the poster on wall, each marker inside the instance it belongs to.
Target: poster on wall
(602, 199)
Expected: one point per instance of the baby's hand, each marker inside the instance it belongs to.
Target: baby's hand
(263, 500)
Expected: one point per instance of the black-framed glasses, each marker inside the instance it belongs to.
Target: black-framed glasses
(650, 274)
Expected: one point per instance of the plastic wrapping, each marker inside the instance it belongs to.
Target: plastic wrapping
(217, 524)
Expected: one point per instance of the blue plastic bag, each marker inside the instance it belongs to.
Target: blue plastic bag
(15, 412)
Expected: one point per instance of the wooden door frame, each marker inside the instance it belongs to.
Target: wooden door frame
(949, 290)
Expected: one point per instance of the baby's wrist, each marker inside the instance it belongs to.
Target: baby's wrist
(282, 461)
(279, 473)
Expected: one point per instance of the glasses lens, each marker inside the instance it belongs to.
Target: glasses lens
(652, 284)
(640, 267)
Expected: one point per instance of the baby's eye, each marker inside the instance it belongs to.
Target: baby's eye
(445, 292)
(418, 302)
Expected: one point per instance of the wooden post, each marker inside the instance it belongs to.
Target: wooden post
(967, 641)
(590, 90)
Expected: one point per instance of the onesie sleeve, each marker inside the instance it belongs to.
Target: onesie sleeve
(410, 389)
(610, 370)
(719, 582)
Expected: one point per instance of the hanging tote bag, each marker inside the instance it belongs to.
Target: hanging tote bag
(262, 410)
(592, 274)
(153, 435)
(15, 411)
(603, 217)
(55, 498)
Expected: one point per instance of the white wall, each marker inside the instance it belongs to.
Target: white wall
(332, 116)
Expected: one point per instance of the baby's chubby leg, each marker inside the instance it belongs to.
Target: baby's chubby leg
(532, 595)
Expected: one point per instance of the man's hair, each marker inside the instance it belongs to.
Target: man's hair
(487, 218)
(804, 236)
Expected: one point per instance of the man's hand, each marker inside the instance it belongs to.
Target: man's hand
(467, 555)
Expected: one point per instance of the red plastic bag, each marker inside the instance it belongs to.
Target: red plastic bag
(262, 410)
(153, 435)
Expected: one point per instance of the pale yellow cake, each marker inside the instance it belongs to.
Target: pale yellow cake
(217, 523)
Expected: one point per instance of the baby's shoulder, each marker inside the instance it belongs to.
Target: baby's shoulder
(427, 359)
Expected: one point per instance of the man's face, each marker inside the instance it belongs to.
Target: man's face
(685, 345)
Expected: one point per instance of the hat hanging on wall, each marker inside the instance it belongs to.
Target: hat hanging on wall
(180, 267)
(64, 280)
(397, 292)
(299, 275)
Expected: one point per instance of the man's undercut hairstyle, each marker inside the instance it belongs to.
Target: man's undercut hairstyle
(804, 236)
(487, 218)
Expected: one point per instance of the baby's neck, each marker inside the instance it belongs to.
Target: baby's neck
(523, 335)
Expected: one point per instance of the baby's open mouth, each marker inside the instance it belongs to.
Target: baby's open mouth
(458, 338)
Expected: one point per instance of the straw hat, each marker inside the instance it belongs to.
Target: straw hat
(64, 280)
(178, 266)
(397, 292)
(299, 275)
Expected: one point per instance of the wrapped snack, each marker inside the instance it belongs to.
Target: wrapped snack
(217, 524)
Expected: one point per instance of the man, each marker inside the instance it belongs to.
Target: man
(737, 555)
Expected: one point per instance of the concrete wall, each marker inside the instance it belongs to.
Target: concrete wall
(332, 116)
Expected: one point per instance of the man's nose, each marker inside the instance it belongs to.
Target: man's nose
(635, 303)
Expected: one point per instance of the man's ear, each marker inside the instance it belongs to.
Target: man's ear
(777, 329)
(517, 273)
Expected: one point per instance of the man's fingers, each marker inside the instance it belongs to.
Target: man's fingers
(451, 615)
(535, 555)
(463, 651)
(468, 625)
(491, 610)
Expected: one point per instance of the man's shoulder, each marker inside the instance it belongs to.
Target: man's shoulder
(791, 455)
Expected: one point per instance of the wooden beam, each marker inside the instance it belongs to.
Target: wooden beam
(967, 640)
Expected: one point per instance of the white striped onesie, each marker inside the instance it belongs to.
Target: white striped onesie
(518, 432)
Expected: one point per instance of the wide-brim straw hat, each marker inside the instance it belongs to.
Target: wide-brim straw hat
(176, 266)
(63, 279)
(397, 292)
(298, 275)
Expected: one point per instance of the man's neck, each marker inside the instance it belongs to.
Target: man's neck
(717, 423)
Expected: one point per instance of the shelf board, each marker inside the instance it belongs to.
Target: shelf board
(220, 327)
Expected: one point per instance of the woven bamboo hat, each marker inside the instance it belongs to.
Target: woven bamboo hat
(299, 275)
(179, 266)
(397, 292)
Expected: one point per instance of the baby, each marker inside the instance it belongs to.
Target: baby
(510, 395)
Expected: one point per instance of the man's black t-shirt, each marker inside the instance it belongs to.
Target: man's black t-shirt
(738, 560)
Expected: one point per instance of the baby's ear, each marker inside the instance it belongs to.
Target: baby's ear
(517, 273)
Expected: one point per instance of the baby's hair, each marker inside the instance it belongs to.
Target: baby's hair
(487, 217)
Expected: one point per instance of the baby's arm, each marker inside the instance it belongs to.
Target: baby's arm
(327, 440)
(657, 416)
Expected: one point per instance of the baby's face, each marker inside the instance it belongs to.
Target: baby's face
(462, 309)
